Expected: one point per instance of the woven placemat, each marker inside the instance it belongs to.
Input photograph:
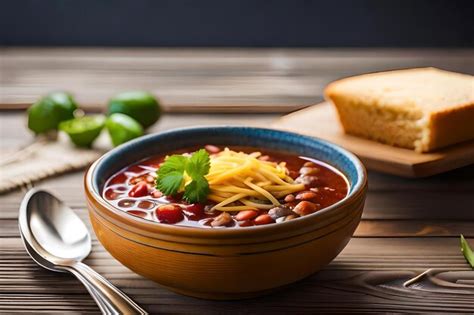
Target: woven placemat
(44, 158)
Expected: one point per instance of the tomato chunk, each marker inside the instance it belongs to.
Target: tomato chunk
(140, 189)
(195, 209)
(169, 214)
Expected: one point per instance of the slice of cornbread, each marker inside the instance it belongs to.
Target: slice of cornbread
(422, 109)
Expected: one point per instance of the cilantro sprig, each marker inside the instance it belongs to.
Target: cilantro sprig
(171, 176)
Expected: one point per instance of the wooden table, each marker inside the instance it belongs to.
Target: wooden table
(408, 225)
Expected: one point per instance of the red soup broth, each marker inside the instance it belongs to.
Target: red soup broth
(133, 191)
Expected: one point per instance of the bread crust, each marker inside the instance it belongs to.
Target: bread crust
(451, 126)
(422, 130)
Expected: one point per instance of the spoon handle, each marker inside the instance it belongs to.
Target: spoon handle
(115, 300)
(103, 304)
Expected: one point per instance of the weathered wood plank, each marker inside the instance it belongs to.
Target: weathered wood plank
(341, 287)
(407, 227)
(271, 80)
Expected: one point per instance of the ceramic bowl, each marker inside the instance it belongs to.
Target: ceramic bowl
(226, 263)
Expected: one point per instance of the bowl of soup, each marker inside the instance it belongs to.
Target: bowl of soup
(225, 212)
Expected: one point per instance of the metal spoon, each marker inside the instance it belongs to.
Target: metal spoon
(57, 239)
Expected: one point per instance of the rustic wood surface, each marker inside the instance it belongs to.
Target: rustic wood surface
(321, 121)
(258, 80)
(408, 226)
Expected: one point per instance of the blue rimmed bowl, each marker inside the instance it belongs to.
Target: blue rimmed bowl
(226, 263)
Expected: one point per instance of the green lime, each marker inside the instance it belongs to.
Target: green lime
(49, 111)
(83, 130)
(64, 100)
(141, 106)
(123, 128)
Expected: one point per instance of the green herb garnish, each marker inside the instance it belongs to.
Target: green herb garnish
(172, 174)
(467, 251)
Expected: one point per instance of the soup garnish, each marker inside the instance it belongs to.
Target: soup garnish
(185, 173)
(233, 187)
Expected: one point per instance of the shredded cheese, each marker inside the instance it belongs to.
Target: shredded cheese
(241, 181)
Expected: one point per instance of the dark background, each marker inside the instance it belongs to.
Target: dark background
(249, 23)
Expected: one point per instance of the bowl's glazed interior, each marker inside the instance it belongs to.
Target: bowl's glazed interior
(165, 142)
(226, 263)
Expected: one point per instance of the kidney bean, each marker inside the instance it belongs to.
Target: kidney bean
(138, 213)
(212, 148)
(290, 198)
(120, 188)
(305, 207)
(150, 179)
(245, 223)
(156, 193)
(263, 219)
(293, 174)
(110, 194)
(310, 164)
(126, 203)
(136, 180)
(246, 215)
(305, 195)
(305, 170)
(139, 190)
(169, 214)
(307, 180)
(196, 209)
(222, 219)
(278, 212)
(146, 204)
(290, 217)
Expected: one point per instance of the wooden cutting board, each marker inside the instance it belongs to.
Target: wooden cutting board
(321, 121)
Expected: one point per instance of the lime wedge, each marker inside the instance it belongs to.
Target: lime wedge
(141, 106)
(123, 128)
(83, 130)
(49, 111)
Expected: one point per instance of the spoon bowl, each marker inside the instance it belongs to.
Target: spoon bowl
(57, 239)
(53, 230)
